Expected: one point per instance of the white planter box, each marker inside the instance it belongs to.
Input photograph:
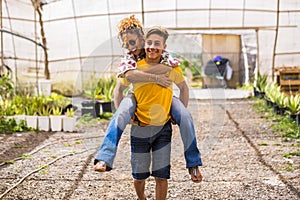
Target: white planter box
(43, 123)
(31, 121)
(69, 124)
(56, 122)
(18, 118)
(10, 117)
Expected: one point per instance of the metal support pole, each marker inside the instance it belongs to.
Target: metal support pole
(1, 35)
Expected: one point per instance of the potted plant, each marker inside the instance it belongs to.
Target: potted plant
(69, 121)
(268, 95)
(293, 104)
(7, 109)
(56, 118)
(281, 101)
(108, 89)
(19, 108)
(43, 118)
(273, 92)
(31, 112)
(94, 92)
(260, 85)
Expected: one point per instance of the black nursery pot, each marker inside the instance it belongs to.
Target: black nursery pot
(298, 119)
(91, 107)
(269, 103)
(255, 91)
(261, 95)
(282, 110)
(107, 106)
(88, 103)
(276, 109)
(293, 116)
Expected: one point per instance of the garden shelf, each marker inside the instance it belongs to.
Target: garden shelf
(289, 79)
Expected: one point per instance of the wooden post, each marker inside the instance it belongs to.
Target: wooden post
(276, 36)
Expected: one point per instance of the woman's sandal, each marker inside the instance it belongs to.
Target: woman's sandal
(194, 172)
(101, 164)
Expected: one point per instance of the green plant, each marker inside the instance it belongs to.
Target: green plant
(70, 112)
(8, 126)
(94, 93)
(271, 92)
(261, 82)
(56, 110)
(18, 104)
(7, 108)
(262, 144)
(282, 125)
(92, 89)
(108, 85)
(281, 100)
(194, 67)
(293, 104)
(44, 111)
(6, 87)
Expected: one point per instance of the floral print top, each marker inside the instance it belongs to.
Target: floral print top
(128, 62)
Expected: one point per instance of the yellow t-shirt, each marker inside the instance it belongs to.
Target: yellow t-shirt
(153, 100)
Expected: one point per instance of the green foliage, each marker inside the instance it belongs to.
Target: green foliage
(44, 110)
(282, 125)
(262, 144)
(9, 162)
(106, 115)
(293, 103)
(30, 105)
(78, 142)
(289, 155)
(107, 85)
(272, 91)
(287, 128)
(70, 112)
(101, 88)
(6, 87)
(8, 126)
(56, 110)
(261, 82)
(26, 156)
(245, 87)
(56, 103)
(281, 100)
(195, 67)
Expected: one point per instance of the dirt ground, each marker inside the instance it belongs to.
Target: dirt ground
(242, 159)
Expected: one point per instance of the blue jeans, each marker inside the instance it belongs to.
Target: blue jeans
(108, 149)
(184, 119)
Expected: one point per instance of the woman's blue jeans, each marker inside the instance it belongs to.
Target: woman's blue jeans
(108, 149)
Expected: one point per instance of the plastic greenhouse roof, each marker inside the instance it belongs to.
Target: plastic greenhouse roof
(82, 35)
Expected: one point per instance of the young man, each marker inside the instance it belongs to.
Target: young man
(151, 135)
(131, 33)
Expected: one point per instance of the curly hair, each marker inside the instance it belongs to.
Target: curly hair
(130, 25)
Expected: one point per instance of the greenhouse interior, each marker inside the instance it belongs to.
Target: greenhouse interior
(61, 57)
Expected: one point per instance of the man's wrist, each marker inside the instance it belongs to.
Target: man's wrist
(153, 78)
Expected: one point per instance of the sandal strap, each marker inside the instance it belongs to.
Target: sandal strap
(193, 171)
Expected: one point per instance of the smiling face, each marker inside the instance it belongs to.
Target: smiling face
(132, 42)
(154, 46)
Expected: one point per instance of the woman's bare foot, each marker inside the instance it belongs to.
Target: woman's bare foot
(196, 175)
(100, 166)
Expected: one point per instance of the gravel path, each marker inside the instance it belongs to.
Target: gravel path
(229, 135)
